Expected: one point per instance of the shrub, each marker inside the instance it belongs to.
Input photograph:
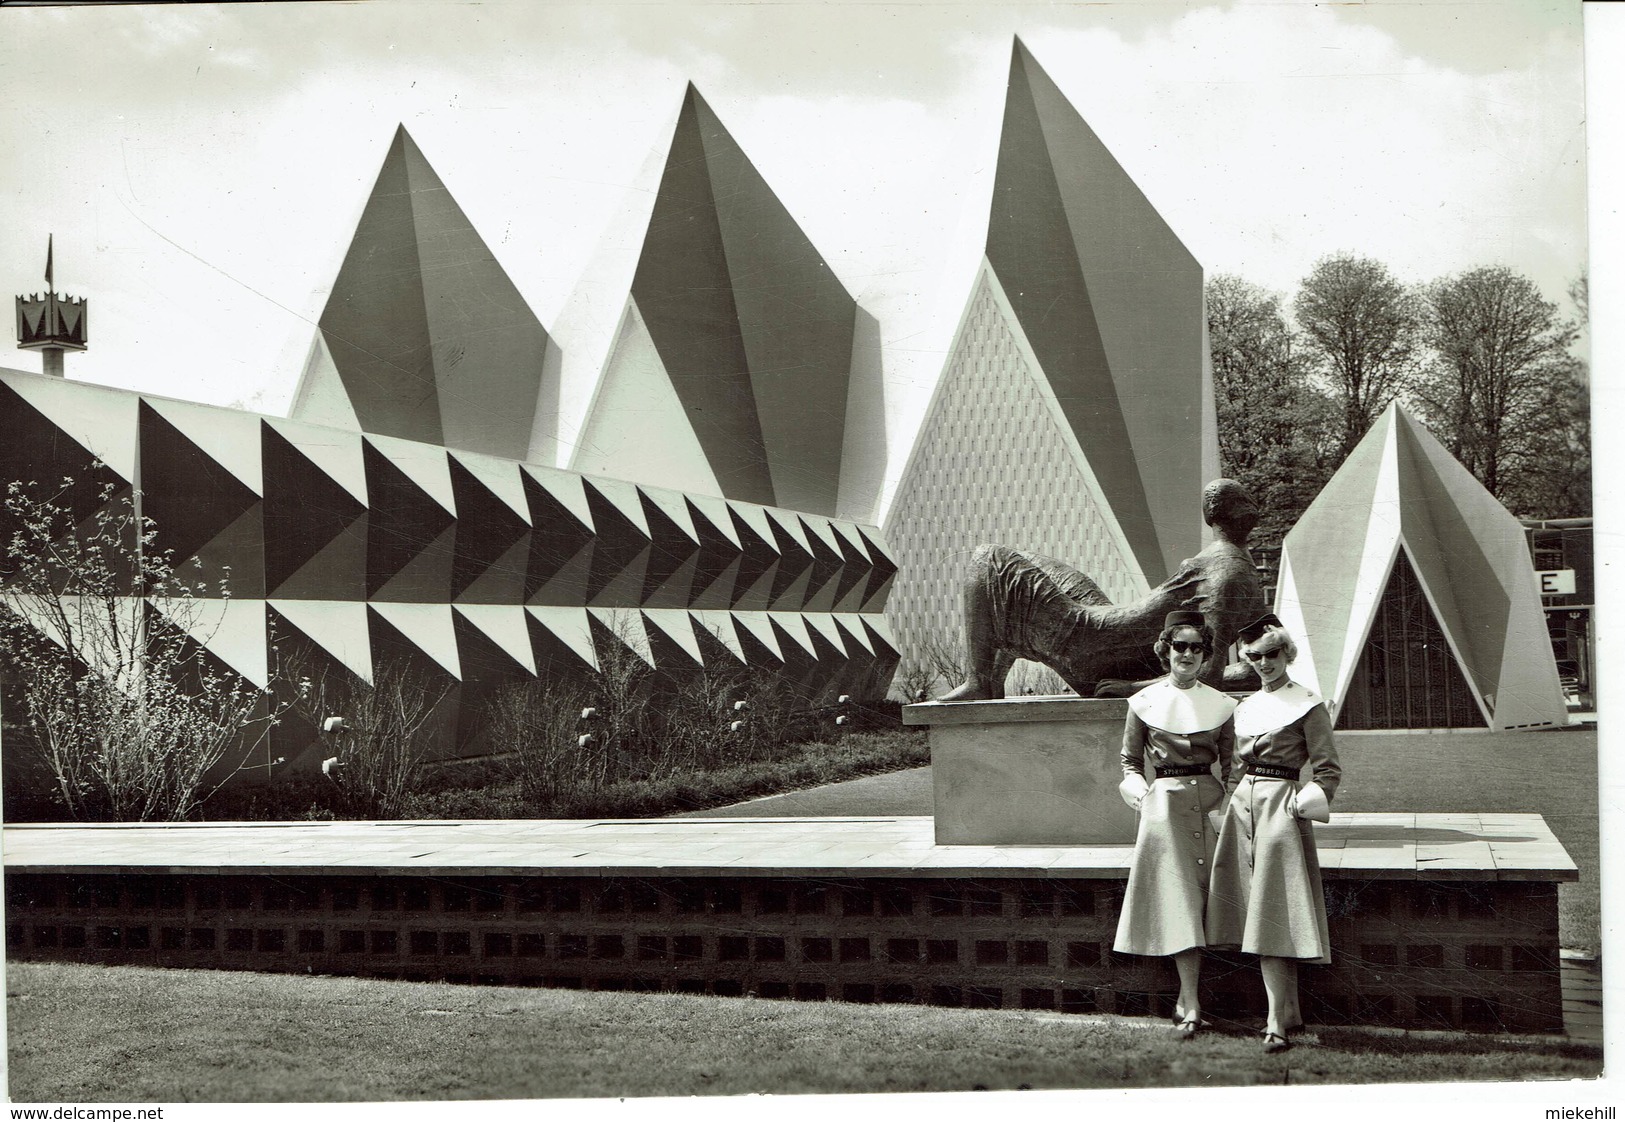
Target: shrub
(130, 715)
(538, 722)
(388, 726)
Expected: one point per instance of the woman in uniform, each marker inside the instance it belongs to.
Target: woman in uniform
(1265, 896)
(1177, 729)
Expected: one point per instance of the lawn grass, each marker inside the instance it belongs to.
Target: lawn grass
(130, 1034)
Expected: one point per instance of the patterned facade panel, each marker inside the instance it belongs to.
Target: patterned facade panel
(315, 526)
(561, 543)
(991, 464)
(494, 653)
(417, 634)
(668, 581)
(79, 419)
(621, 548)
(561, 639)
(338, 628)
(492, 542)
(671, 638)
(365, 551)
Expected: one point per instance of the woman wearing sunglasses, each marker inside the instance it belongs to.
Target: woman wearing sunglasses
(1177, 729)
(1265, 895)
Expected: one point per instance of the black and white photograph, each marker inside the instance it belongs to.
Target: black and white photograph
(637, 556)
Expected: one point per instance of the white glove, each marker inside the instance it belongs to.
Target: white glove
(1309, 801)
(1133, 789)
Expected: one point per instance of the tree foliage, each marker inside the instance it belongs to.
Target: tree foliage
(1482, 357)
(1504, 393)
(1275, 427)
(1363, 331)
(134, 721)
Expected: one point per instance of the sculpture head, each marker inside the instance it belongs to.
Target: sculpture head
(1229, 509)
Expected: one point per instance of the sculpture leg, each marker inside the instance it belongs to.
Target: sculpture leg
(1003, 662)
(981, 647)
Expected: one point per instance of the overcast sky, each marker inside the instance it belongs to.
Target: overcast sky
(203, 168)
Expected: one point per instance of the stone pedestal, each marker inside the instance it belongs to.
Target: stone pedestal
(1027, 771)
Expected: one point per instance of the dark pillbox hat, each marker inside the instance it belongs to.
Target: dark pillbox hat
(1252, 632)
(1183, 619)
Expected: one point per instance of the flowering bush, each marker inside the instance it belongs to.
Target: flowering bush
(387, 728)
(133, 719)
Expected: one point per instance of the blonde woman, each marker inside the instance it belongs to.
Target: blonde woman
(1265, 896)
(1177, 729)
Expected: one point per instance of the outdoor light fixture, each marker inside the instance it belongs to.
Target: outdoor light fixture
(333, 726)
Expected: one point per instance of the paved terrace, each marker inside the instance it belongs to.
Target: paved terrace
(1381, 846)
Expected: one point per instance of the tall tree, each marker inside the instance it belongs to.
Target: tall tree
(1277, 432)
(1505, 394)
(1363, 330)
(1555, 482)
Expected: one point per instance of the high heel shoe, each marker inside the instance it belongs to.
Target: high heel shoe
(1190, 1026)
(1275, 1042)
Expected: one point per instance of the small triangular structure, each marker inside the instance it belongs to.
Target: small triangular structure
(1406, 580)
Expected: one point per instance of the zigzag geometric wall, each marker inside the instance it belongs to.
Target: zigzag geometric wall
(1409, 589)
(1075, 413)
(473, 567)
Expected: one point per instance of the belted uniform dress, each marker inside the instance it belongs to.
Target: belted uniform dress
(1185, 732)
(1265, 896)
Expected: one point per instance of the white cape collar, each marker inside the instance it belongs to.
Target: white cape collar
(1165, 706)
(1266, 710)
